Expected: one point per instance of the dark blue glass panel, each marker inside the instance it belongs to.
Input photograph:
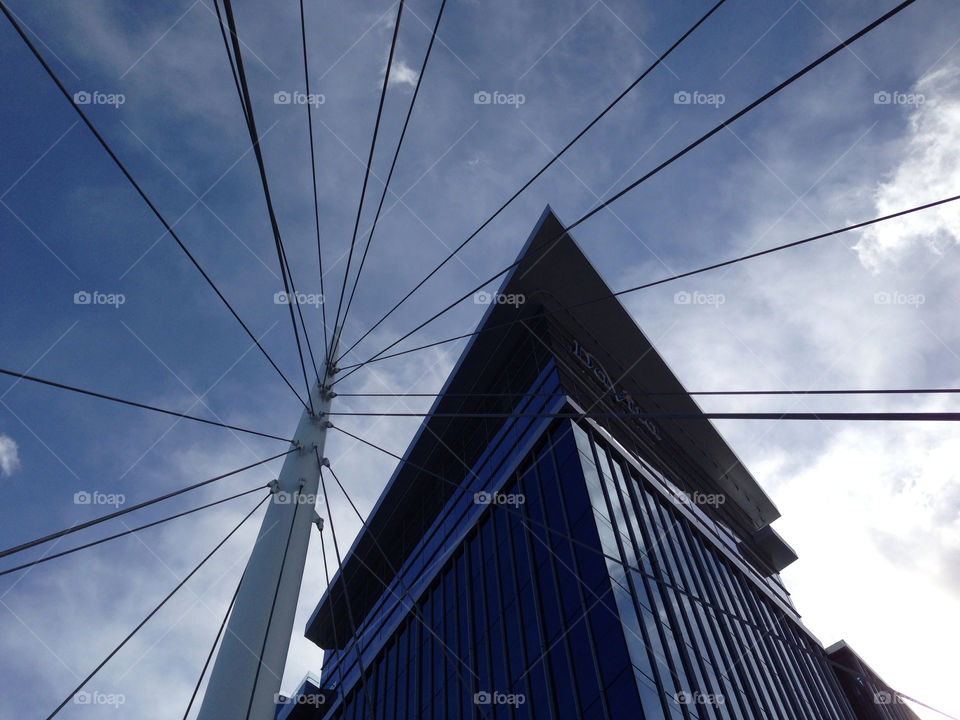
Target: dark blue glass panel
(498, 641)
(568, 578)
(511, 618)
(479, 621)
(403, 661)
(426, 659)
(360, 706)
(449, 664)
(388, 665)
(622, 698)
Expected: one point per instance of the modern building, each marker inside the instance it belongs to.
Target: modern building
(868, 694)
(568, 537)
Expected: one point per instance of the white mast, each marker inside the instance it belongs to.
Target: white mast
(266, 603)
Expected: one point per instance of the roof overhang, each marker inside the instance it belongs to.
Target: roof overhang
(554, 275)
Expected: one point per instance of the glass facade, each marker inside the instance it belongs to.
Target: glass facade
(556, 543)
(586, 592)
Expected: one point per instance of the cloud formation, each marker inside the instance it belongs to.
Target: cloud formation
(9, 456)
(402, 74)
(928, 168)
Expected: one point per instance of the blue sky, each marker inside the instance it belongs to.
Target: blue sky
(871, 509)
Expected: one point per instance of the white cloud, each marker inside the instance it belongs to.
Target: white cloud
(402, 74)
(928, 169)
(890, 526)
(9, 458)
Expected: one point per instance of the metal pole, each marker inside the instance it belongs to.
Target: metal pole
(245, 680)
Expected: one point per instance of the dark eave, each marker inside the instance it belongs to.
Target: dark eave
(557, 280)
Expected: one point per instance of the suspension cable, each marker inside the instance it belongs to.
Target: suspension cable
(333, 624)
(882, 416)
(350, 616)
(226, 45)
(900, 213)
(140, 192)
(131, 403)
(396, 154)
(540, 172)
(288, 284)
(313, 173)
(366, 173)
(138, 506)
(130, 531)
(153, 612)
(763, 98)
(216, 640)
(659, 393)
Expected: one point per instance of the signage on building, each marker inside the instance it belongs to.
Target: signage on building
(619, 394)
